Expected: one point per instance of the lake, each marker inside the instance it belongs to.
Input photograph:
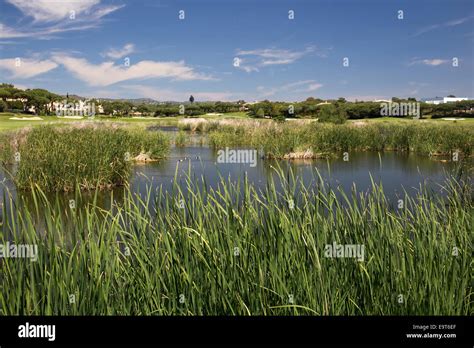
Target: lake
(397, 172)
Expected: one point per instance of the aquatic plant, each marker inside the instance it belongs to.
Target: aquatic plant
(235, 251)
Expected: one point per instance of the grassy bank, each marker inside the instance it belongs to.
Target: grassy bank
(280, 139)
(61, 158)
(235, 252)
(7, 123)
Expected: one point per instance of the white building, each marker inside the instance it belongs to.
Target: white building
(79, 107)
(445, 100)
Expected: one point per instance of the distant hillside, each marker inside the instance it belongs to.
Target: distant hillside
(137, 101)
(149, 101)
(134, 101)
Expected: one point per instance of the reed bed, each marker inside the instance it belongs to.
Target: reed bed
(6, 148)
(235, 251)
(89, 157)
(180, 139)
(280, 139)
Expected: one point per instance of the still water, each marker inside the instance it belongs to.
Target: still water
(397, 172)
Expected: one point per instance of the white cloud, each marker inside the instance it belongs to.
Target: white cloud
(53, 10)
(458, 21)
(53, 17)
(26, 68)
(274, 56)
(430, 62)
(108, 73)
(305, 87)
(258, 58)
(278, 61)
(7, 32)
(119, 53)
(427, 29)
(247, 68)
(314, 86)
(435, 62)
(451, 23)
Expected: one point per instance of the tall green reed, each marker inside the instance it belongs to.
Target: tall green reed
(61, 158)
(280, 139)
(232, 250)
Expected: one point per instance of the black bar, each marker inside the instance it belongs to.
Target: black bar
(134, 331)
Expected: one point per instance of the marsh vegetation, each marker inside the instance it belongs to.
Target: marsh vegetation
(235, 251)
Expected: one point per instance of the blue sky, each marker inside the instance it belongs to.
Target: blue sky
(85, 52)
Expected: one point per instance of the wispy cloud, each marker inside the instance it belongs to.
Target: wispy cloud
(108, 73)
(26, 68)
(416, 87)
(303, 86)
(314, 86)
(451, 23)
(119, 53)
(50, 11)
(245, 66)
(429, 62)
(54, 17)
(45, 33)
(259, 58)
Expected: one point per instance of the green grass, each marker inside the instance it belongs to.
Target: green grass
(180, 139)
(232, 251)
(280, 139)
(6, 148)
(62, 158)
(7, 124)
(408, 120)
(238, 115)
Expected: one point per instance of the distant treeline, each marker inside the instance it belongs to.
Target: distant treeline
(195, 109)
(339, 110)
(336, 111)
(14, 99)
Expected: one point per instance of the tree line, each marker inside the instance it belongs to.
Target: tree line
(18, 100)
(336, 111)
(23, 100)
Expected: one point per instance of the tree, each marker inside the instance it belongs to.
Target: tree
(122, 108)
(108, 107)
(40, 99)
(191, 99)
(144, 109)
(5, 93)
(3, 106)
(331, 113)
(444, 110)
(362, 110)
(15, 105)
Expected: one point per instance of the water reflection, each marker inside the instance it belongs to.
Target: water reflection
(395, 171)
